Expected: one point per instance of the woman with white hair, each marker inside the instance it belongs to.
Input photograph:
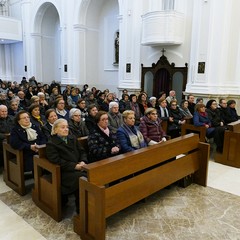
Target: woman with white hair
(77, 127)
(114, 117)
(65, 150)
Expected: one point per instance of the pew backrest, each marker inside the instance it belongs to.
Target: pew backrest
(115, 183)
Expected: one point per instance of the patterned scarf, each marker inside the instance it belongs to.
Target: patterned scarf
(136, 139)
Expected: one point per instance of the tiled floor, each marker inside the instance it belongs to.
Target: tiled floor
(191, 213)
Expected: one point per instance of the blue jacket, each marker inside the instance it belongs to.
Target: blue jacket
(124, 140)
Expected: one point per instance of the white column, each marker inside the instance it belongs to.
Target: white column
(130, 39)
(27, 49)
(79, 55)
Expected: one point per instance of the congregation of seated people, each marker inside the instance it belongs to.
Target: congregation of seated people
(30, 114)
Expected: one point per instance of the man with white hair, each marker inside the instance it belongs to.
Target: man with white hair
(43, 103)
(6, 124)
(23, 103)
(3, 99)
(172, 96)
(114, 117)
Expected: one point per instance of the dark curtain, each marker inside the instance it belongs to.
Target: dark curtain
(161, 82)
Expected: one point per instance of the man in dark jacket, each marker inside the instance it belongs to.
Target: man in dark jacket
(6, 124)
(225, 115)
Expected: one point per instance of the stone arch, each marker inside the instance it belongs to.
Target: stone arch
(46, 36)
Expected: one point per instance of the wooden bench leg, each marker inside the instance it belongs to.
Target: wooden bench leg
(13, 174)
(47, 190)
(91, 223)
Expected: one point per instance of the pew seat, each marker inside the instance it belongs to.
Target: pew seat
(190, 128)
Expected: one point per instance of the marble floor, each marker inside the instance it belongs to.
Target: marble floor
(194, 212)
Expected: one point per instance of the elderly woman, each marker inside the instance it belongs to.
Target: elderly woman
(184, 109)
(6, 124)
(77, 127)
(14, 107)
(114, 117)
(81, 105)
(133, 105)
(90, 119)
(35, 116)
(73, 98)
(150, 127)
(60, 109)
(176, 120)
(217, 122)
(26, 136)
(200, 118)
(51, 117)
(128, 135)
(66, 151)
(102, 143)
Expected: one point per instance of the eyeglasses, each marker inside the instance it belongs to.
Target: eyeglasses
(77, 115)
(27, 117)
(174, 105)
(104, 119)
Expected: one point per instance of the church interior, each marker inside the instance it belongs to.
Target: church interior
(188, 46)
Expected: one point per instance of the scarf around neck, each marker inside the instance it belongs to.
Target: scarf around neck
(137, 140)
(31, 133)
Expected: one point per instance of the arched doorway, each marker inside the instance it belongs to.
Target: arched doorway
(47, 44)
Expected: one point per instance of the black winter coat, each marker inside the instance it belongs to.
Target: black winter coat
(67, 155)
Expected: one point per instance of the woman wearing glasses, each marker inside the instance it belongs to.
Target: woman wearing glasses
(26, 136)
(176, 120)
(150, 127)
(77, 127)
(102, 143)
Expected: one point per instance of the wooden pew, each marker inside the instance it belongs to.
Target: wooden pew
(164, 125)
(139, 174)
(47, 188)
(231, 150)
(46, 193)
(190, 128)
(13, 173)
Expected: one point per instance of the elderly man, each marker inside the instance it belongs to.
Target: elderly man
(172, 96)
(23, 103)
(6, 124)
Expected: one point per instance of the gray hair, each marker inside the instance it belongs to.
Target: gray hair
(56, 124)
(73, 111)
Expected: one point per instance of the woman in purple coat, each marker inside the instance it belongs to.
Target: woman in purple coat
(150, 127)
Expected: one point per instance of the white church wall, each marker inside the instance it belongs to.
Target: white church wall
(17, 62)
(179, 54)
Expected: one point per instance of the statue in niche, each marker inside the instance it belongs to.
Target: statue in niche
(116, 45)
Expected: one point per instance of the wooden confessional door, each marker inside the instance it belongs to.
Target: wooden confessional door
(163, 76)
